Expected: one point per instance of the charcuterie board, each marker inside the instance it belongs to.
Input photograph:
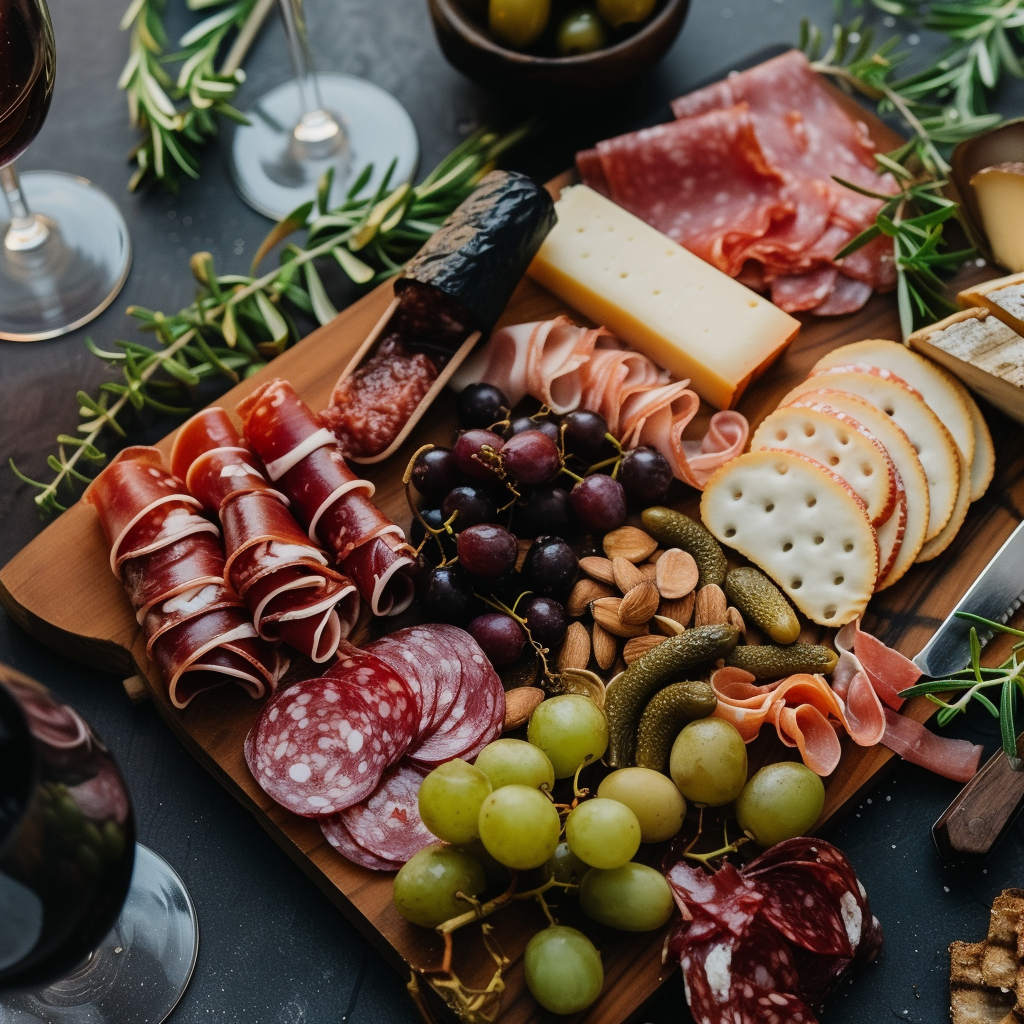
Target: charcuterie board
(60, 589)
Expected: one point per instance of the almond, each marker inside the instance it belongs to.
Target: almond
(655, 555)
(604, 647)
(677, 574)
(606, 614)
(666, 626)
(598, 568)
(520, 703)
(650, 571)
(681, 610)
(639, 646)
(585, 591)
(626, 574)
(575, 652)
(639, 604)
(630, 543)
(735, 619)
(711, 608)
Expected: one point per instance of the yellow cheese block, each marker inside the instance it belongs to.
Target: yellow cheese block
(1000, 194)
(685, 314)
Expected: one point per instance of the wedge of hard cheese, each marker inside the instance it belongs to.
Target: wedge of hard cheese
(685, 314)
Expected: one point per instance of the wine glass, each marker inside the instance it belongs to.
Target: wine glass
(315, 122)
(80, 900)
(65, 251)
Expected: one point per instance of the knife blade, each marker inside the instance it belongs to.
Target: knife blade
(996, 594)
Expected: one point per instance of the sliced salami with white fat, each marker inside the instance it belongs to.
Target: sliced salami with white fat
(340, 838)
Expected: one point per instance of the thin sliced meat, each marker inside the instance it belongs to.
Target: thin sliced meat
(847, 296)
(382, 569)
(194, 561)
(588, 163)
(413, 654)
(340, 838)
(889, 671)
(951, 758)
(797, 292)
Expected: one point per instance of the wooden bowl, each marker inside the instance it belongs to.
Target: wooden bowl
(468, 46)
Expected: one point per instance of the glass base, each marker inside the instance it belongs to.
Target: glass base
(275, 172)
(140, 970)
(51, 288)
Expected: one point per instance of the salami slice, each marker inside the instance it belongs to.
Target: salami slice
(414, 654)
(317, 747)
(336, 833)
(388, 824)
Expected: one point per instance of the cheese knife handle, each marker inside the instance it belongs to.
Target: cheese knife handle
(986, 807)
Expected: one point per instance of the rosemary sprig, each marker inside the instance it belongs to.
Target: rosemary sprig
(975, 680)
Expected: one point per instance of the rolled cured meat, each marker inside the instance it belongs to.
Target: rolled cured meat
(198, 632)
(283, 578)
(304, 459)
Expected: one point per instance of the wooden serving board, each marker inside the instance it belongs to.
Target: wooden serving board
(61, 590)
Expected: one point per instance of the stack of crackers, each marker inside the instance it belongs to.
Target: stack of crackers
(986, 979)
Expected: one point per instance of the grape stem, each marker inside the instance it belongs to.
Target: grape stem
(482, 910)
(706, 858)
(541, 652)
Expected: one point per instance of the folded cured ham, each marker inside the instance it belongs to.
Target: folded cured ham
(284, 580)
(303, 458)
(198, 632)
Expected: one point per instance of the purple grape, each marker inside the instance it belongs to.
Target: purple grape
(474, 504)
(546, 619)
(546, 509)
(548, 427)
(435, 520)
(584, 434)
(467, 452)
(531, 458)
(646, 475)
(435, 473)
(500, 637)
(487, 551)
(599, 503)
(448, 594)
(550, 566)
(480, 405)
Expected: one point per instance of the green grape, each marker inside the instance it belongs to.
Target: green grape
(425, 887)
(564, 866)
(580, 32)
(497, 874)
(509, 762)
(603, 833)
(563, 969)
(570, 729)
(709, 762)
(631, 897)
(518, 23)
(519, 827)
(651, 796)
(625, 12)
(781, 801)
(450, 799)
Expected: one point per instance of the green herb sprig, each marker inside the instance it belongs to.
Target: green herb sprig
(1007, 678)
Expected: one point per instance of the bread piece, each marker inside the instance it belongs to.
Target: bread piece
(802, 525)
(971, 1001)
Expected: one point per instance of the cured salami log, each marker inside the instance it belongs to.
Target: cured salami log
(284, 580)
(303, 457)
(198, 632)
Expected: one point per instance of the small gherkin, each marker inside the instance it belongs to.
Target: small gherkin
(674, 530)
(666, 713)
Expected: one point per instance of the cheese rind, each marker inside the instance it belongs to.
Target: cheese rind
(686, 315)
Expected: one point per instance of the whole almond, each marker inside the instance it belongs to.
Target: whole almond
(677, 574)
(655, 555)
(639, 646)
(666, 626)
(604, 647)
(711, 608)
(639, 604)
(520, 703)
(606, 614)
(585, 591)
(598, 568)
(626, 574)
(680, 610)
(735, 619)
(575, 652)
(650, 571)
(630, 543)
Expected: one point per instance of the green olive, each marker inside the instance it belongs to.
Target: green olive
(625, 12)
(518, 23)
(581, 32)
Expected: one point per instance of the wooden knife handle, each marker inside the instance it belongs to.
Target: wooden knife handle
(986, 807)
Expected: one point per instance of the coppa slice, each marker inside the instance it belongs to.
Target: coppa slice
(801, 524)
(908, 465)
(851, 454)
(933, 443)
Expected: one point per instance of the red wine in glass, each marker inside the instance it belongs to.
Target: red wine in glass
(27, 71)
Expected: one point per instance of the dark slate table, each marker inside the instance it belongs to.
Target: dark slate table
(273, 950)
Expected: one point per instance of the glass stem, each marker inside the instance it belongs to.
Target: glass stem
(25, 231)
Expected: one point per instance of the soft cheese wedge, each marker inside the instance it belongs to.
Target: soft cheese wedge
(1003, 297)
(802, 525)
(686, 315)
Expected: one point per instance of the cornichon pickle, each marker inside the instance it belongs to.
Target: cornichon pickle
(674, 530)
(629, 693)
(763, 604)
(666, 713)
(766, 661)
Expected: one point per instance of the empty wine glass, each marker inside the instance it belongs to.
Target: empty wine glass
(94, 928)
(313, 123)
(65, 251)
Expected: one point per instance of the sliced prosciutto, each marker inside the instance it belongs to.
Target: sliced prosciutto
(304, 459)
(283, 578)
(198, 632)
